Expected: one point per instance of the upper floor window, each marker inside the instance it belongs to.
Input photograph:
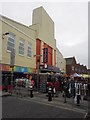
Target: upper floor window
(11, 41)
(29, 51)
(75, 69)
(72, 67)
(21, 46)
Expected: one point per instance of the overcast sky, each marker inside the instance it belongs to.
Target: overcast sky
(71, 24)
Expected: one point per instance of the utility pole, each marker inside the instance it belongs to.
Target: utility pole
(12, 60)
(38, 69)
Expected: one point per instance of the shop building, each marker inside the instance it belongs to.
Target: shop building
(18, 47)
(23, 47)
(45, 40)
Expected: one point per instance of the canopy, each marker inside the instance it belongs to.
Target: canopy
(65, 75)
(76, 75)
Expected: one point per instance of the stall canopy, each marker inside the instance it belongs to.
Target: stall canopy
(76, 75)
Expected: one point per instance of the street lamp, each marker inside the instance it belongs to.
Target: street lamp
(7, 33)
(38, 68)
(12, 57)
(12, 61)
(4, 34)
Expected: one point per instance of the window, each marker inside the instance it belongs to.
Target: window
(75, 69)
(29, 51)
(11, 41)
(72, 67)
(21, 46)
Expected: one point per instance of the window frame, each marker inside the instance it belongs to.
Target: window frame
(21, 47)
(29, 50)
(11, 40)
(73, 68)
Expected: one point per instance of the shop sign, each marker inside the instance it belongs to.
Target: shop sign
(21, 69)
(45, 55)
(31, 70)
(41, 66)
(6, 68)
(56, 69)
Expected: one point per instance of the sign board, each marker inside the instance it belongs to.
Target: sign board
(45, 55)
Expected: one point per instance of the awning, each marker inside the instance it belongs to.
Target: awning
(76, 75)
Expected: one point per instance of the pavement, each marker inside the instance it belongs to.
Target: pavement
(43, 99)
(59, 102)
(2, 94)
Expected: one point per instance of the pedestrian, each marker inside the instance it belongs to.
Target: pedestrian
(57, 87)
(6, 84)
(78, 93)
(32, 82)
(85, 87)
(26, 83)
(65, 90)
(50, 85)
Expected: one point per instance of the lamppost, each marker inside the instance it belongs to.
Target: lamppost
(5, 34)
(38, 69)
(12, 57)
(12, 61)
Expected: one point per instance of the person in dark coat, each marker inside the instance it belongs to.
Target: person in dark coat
(6, 84)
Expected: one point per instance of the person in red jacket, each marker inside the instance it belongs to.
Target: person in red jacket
(49, 84)
(57, 87)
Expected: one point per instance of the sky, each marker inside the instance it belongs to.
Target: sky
(70, 20)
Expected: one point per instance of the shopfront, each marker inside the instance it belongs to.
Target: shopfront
(17, 72)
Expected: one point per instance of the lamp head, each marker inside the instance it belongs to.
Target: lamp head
(7, 33)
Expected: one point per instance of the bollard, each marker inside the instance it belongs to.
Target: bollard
(65, 96)
(49, 94)
(31, 91)
(78, 98)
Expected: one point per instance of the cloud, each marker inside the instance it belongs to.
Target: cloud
(80, 51)
(71, 23)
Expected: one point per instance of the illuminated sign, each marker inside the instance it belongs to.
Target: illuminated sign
(45, 55)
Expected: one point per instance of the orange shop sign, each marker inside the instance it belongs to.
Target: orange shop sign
(6, 68)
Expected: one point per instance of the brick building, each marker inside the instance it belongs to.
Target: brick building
(72, 67)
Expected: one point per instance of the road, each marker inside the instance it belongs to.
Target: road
(13, 107)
